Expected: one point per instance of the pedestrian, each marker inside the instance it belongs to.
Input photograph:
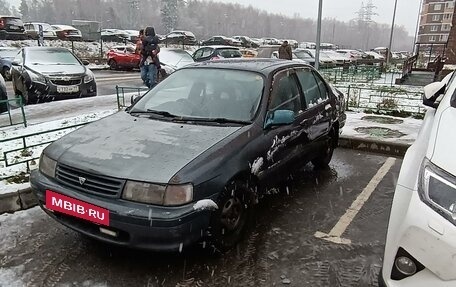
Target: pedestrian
(138, 50)
(439, 64)
(285, 51)
(149, 57)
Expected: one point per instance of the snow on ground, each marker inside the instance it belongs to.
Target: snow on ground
(12, 276)
(410, 128)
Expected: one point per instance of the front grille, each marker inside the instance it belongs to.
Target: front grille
(66, 82)
(94, 184)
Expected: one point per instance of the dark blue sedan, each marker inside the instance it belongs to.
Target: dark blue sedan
(190, 159)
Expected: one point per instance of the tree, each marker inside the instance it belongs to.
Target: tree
(4, 7)
(24, 10)
(169, 14)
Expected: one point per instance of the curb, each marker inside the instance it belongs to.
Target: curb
(374, 146)
(18, 200)
(25, 199)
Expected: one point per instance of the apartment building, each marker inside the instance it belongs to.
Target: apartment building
(436, 21)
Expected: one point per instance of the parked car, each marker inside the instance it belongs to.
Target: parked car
(123, 57)
(272, 52)
(6, 58)
(132, 35)
(340, 59)
(66, 32)
(325, 61)
(248, 53)
(115, 35)
(3, 95)
(420, 244)
(246, 42)
(376, 55)
(305, 56)
(216, 53)
(221, 40)
(32, 30)
(191, 157)
(270, 41)
(45, 73)
(11, 28)
(172, 59)
(179, 38)
(257, 41)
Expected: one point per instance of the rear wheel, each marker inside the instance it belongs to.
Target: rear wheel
(112, 65)
(325, 158)
(229, 221)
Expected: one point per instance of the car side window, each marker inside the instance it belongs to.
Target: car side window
(285, 93)
(322, 86)
(207, 52)
(309, 87)
(198, 54)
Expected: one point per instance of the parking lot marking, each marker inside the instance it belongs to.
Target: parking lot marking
(343, 223)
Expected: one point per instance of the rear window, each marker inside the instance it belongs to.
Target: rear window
(230, 53)
(14, 21)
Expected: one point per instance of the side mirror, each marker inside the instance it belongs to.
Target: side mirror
(85, 62)
(279, 118)
(433, 94)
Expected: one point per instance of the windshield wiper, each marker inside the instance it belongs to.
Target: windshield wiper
(160, 113)
(218, 120)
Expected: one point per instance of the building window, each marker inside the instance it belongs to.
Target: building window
(446, 27)
(444, 38)
(449, 5)
(434, 28)
(435, 17)
(437, 7)
(431, 38)
(447, 16)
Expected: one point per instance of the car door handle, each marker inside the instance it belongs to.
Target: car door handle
(327, 107)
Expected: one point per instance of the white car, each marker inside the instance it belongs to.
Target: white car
(377, 56)
(421, 242)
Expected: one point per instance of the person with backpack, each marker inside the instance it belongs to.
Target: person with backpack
(150, 63)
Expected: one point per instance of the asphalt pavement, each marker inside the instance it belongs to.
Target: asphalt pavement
(280, 248)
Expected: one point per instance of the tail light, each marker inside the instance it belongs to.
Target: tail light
(2, 23)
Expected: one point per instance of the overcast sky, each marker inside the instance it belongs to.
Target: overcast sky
(407, 10)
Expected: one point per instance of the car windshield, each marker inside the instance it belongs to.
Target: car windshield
(14, 21)
(174, 57)
(230, 53)
(46, 57)
(302, 55)
(205, 95)
(8, 53)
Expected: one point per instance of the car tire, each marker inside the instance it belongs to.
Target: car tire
(3, 106)
(6, 72)
(324, 159)
(229, 221)
(113, 65)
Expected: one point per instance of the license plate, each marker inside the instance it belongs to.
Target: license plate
(67, 89)
(77, 208)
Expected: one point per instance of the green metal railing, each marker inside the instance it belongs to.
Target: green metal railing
(20, 104)
(383, 99)
(359, 74)
(123, 92)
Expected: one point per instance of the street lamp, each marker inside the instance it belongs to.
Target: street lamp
(317, 51)
(388, 56)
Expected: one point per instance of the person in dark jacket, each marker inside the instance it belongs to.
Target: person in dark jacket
(285, 51)
(150, 63)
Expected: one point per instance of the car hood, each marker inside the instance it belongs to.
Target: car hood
(58, 69)
(444, 156)
(141, 149)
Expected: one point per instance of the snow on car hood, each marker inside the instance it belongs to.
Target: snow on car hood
(142, 149)
(444, 152)
(58, 69)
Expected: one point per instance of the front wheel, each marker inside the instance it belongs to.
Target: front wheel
(113, 65)
(324, 159)
(6, 73)
(229, 221)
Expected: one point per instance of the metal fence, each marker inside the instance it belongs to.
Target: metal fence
(126, 94)
(359, 74)
(10, 121)
(384, 99)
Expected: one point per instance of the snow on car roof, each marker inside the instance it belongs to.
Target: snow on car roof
(64, 27)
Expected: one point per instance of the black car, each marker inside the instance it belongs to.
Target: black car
(216, 53)
(6, 58)
(45, 73)
(11, 28)
(179, 38)
(189, 159)
(246, 42)
(221, 40)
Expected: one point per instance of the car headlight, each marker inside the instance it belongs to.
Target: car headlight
(437, 188)
(170, 195)
(47, 165)
(88, 77)
(37, 78)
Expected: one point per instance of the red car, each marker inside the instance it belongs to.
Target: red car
(123, 57)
